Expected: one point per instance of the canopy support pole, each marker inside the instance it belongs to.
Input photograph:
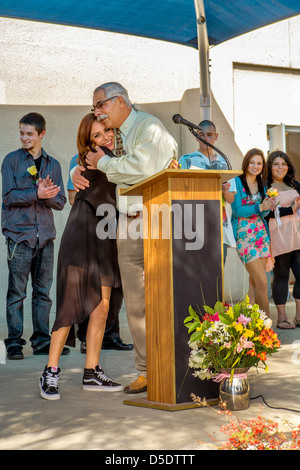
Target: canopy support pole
(203, 49)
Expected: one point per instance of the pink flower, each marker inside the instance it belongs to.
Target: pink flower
(215, 317)
(244, 344)
(243, 319)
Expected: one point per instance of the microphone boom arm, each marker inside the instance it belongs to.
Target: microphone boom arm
(211, 146)
(191, 126)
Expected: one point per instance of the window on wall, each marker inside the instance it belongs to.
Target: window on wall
(287, 139)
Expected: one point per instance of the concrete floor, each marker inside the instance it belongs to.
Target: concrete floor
(100, 421)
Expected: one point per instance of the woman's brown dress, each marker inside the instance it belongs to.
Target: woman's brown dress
(85, 262)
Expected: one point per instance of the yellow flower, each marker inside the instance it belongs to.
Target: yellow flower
(239, 327)
(230, 312)
(32, 170)
(259, 323)
(272, 192)
(249, 333)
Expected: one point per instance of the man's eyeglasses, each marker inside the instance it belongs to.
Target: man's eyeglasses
(100, 103)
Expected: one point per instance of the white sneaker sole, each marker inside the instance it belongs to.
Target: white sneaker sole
(98, 388)
(49, 397)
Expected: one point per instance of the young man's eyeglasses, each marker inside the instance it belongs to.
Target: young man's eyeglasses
(100, 103)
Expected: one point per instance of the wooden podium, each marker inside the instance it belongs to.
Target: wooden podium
(183, 253)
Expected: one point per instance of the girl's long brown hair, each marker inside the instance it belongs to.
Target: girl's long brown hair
(261, 178)
(84, 144)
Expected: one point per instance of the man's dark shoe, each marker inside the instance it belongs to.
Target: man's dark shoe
(15, 353)
(45, 351)
(116, 343)
(83, 347)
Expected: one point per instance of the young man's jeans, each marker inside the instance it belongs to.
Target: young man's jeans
(24, 261)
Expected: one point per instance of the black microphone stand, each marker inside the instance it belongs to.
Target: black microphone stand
(210, 145)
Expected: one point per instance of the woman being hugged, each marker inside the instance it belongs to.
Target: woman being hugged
(284, 225)
(249, 209)
(87, 268)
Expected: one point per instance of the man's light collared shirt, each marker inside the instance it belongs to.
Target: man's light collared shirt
(149, 149)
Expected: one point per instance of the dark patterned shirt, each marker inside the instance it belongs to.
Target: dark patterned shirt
(24, 217)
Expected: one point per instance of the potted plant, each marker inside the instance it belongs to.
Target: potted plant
(225, 342)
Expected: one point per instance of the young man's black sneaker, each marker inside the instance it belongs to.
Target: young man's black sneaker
(95, 379)
(49, 383)
(15, 353)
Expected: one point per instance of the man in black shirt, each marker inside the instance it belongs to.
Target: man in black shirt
(32, 187)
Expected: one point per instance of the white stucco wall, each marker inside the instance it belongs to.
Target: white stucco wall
(49, 64)
(256, 80)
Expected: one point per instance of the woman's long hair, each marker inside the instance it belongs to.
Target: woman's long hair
(261, 178)
(84, 144)
(289, 178)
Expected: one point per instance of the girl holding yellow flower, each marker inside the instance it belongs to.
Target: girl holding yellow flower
(284, 225)
(249, 209)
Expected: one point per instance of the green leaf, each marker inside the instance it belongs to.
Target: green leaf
(205, 325)
(193, 313)
(219, 307)
(205, 340)
(196, 336)
(236, 310)
(224, 318)
(192, 327)
(209, 310)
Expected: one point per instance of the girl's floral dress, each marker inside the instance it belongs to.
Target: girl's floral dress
(253, 241)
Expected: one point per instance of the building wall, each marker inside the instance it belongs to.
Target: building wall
(256, 81)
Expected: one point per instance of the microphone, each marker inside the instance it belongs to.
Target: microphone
(180, 120)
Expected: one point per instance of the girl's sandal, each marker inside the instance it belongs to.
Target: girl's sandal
(285, 325)
(297, 322)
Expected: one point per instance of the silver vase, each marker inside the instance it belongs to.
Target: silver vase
(235, 390)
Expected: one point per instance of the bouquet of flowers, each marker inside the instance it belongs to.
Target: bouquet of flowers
(272, 192)
(229, 336)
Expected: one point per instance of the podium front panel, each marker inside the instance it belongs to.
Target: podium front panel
(197, 281)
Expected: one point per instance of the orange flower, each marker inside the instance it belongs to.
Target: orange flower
(262, 356)
(269, 339)
(251, 352)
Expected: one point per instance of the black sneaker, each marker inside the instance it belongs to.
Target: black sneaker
(49, 383)
(15, 353)
(95, 379)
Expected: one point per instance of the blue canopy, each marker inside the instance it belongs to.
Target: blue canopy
(169, 20)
